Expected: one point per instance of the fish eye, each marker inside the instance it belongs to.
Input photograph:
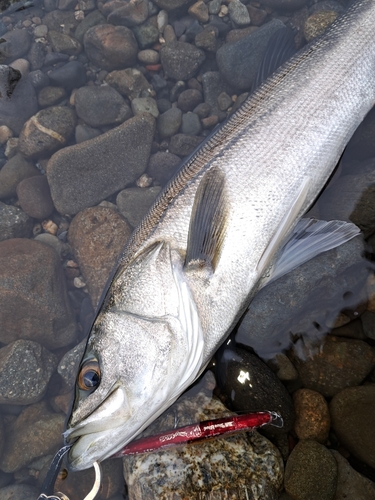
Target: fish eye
(89, 375)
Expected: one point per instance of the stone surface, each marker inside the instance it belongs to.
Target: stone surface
(129, 82)
(14, 223)
(33, 301)
(317, 23)
(26, 368)
(50, 96)
(145, 105)
(56, 18)
(66, 44)
(352, 413)
(189, 99)
(92, 19)
(34, 197)
(100, 106)
(162, 166)
(133, 203)
(85, 133)
(312, 415)
(69, 76)
(13, 172)
(351, 484)
(83, 175)
(18, 492)
(169, 122)
(126, 13)
(310, 472)
(184, 145)
(181, 60)
(46, 132)
(238, 13)
(191, 124)
(17, 43)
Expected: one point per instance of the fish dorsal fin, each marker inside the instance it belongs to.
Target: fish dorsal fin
(310, 238)
(207, 222)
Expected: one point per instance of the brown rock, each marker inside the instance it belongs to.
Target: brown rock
(13, 172)
(318, 22)
(64, 43)
(34, 197)
(128, 82)
(312, 415)
(199, 10)
(98, 236)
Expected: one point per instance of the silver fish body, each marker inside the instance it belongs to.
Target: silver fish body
(165, 313)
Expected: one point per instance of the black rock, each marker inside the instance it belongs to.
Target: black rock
(69, 76)
(55, 58)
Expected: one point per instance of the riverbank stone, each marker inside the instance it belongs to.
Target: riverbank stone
(34, 196)
(181, 60)
(13, 172)
(133, 203)
(14, 223)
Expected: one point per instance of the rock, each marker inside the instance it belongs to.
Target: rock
(110, 47)
(310, 472)
(92, 19)
(5, 134)
(13, 172)
(145, 105)
(126, 13)
(97, 236)
(172, 4)
(14, 223)
(21, 65)
(33, 301)
(181, 60)
(38, 79)
(238, 13)
(40, 31)
(312, 415)
(18, 492)
(62, 249)
(69, 76)
(85, 174)
(339, 363)
(213, 86)
(199, 10)
(17, 43)
(26, 368)
(50, 96)
(46, 132)
(284, 4)
(226, 467)
(100, 106)
(56, 18)
(129, 82)
(20, 102)
(238, 62)
(318, 22)
(183, 145)
(257, 16)
(53, 58)
(236, 366)
(351, 484)
(169, 122)
(189, 99)
(85, 133)
(146, 34)
(133, 203)
(352, 412)
(224, 101)
(191, 124)
(36, 432)
(162, 166)
(34, 197)
(66, 44)
(208, 39)
(148, 56)
(69, 363)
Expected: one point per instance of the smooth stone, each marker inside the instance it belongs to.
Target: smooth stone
(191, 124)
(169, 5)
(134, 203)
(40, 31)
(199, 11)
(95, 165)
(351, 484)
(224, 101)
(16, 44)
(146, 34)
(36, 56)
(85, 133)
(14, 223)
(189, 99)
(33, 299)
(38, 79)
(69, 363)
(56, 18)
(284, 4)
(66, 44)
(50, 96)
(238, 13)
(26, 368)
(100, 106)
(202, 110)
(162, 166)
(53, 58)
(92, 19)
(238, 62)
(310, 472)
(368, 323)
(352, 413)
(46, 132)
(213, 86)
(13, 172)
(312, 415)
(168, 123)
(21, 65)
(126, 14)
(208, 39)
(129, 82)
(35, 433)
(18, 492)
(69, 76)
(145, 105)
(97, 236)
(61, 248)
(283, 368)
(110, 47)
(181, 60)
(34, 197)
(5, 134)
(317, 23)
(184, 145)
(148, 56)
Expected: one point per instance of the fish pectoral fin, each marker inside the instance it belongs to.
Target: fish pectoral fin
(310, 238)
(208, 222)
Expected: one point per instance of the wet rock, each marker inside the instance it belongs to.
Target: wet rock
(133, 203)
(53, 58)
(14, 223)
(46, 132)
(203, 110)
(17, 43)
(102, 165)
(146, 34)
(368, 324)
(189, 99)
(26, 368)
(339, 363)
(34, 197)
(213, 86)
(20, 102)
(18, 492)
(284, 4)
(50, 96)
(283, 368)
(13, 172)
(311, 472)
(162, 166)
(238, 13)
(85, 133)
(226, 467)
(69, 76)
(99, 106)
(238, 62)
(351, 484)
(36, 432)
(169, 122)
(62, 249)
(148, 56)
(181, 60)
(38, 79)
(224, 101)
(199, 10)
(183, 145)
(318, 22)
(92, 19)
(56, 18)
(97, 236)
(110, 47)
(129, 82)
(69, 363)
(66, 44)
(33, 300)
(172, 4)
(145, 105)
(127, 13)
(191, 124)
(312, 415)
(352, 412)
(208, 39)
(257, 15)
(5, 134)
(249, 384)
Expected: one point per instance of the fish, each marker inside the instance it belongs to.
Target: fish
(213, 235)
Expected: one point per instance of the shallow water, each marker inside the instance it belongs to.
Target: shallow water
(320, 323)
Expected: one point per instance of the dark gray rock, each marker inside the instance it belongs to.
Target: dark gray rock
(66, 44)
(181, 60)
(239, 61)
(100, 106)
(145, 105)
(38, 79)
(14, 223)
(133, 203)
(62, 249)
(34, 197)
(18, 492)
(85, 133)
(191, 124)
(162, 166)
(317, 23)
(26, 368)
(69, 76)
(83, 175)
(208, 39)
(189, 99)
(129, 82)
(17, 43)
(351, 484)
(146, 34)
(53, 58)
(352, 414)
(56, 18)
(126, 14)
(213, 86)
(36, 56)
(183, 145)
(13, 172)
(169, 122)
(92, 19)
(33, 300)
(172, 4)
(284, 4)
(50, 96)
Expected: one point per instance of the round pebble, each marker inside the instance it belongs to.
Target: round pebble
(148, 56)
(312, 415)
(34, 197)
